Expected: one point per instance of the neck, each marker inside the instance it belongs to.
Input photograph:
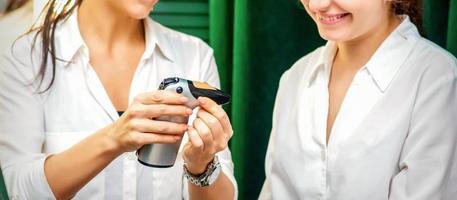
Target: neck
(360, 50)
(102, 26)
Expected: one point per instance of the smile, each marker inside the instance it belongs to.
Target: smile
(331, 19)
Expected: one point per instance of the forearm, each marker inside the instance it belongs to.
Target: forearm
(222, 188)
(68, 171)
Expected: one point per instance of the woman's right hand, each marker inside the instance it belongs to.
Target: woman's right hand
(138, 125)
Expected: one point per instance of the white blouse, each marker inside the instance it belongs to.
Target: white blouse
(394, 137)
(32, 125)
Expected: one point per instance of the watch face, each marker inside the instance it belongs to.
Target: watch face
(208, 177)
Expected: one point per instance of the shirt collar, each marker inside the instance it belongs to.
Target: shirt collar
(156, 37)
(68, 38)
(392, 53)
(385, 62)
(324, 61)
(69, 41)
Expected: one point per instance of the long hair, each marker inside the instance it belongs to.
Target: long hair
(54, 12)
(15, 4)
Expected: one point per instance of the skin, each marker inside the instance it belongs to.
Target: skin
(361, 29)
(113, 31)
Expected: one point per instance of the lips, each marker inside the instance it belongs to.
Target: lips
(331, 19)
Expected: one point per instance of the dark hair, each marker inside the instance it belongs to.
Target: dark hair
(54, 12)
(14, 4)
(412, 8)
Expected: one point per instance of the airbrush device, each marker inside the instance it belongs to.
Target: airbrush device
(164, 155)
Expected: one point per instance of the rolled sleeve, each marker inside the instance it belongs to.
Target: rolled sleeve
(225, 159)
(21, 132)
(210, 75)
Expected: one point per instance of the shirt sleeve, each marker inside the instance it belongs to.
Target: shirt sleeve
(208, 66)
(210, 75)
(21, 132)
(267, 193)
(428, 164)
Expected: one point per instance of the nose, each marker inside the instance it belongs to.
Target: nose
(318, 5)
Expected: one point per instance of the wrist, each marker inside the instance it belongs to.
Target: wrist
(198, 168)
(208, 177)
(108, 142)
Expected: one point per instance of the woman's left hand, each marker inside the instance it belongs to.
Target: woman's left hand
(208, 135)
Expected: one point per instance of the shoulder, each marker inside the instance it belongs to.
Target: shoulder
(19, 66)
(21, 19)
(432, 66)
(433, 62)
(22, 57)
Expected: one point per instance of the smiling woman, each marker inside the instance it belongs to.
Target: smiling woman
(370, 115)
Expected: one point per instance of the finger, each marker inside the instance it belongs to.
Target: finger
(148, 138)
(215, 126)
(217, 111)
(161, 97)
(205, 134)
(157, 110)
(195, 140)
(155, 126)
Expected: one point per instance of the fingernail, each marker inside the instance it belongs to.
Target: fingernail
(184, 99)
(189, 111)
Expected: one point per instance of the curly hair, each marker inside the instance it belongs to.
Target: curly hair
(412, 8)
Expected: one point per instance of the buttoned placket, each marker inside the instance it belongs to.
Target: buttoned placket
(139, 84)
(129, 159)
(321, 82)
(329, 148)
(338, 132)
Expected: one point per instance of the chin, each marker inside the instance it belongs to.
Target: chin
(139, 11)
(336, 36)
(139, 15)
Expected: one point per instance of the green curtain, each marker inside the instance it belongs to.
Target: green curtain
(263, 39)
(452, 28)
(268, 37)
(221, 27)
(435, 23)
(255, 41)
(3, 193)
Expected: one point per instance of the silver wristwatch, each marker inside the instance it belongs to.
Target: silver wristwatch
(208, 177)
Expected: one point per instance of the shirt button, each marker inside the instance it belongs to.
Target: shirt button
(323, 155)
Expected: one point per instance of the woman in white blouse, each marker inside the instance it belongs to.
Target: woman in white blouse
(60, 92)
(371, 115)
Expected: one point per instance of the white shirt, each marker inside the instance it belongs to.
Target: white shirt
(33, 126)
(15, 24)
(394, 137)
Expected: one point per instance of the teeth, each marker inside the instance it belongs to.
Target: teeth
(332, 18)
